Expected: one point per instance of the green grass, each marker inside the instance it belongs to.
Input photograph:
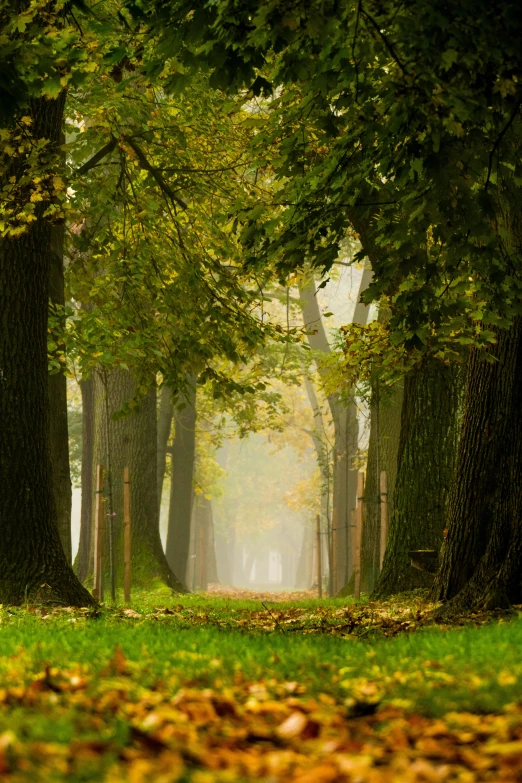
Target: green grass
(476, 669)
(431, 672)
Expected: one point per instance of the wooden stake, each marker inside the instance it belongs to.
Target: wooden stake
(334, 559)
(126, 536)
(99, 533)
(384, 515)
(319, 557)
(358, 533)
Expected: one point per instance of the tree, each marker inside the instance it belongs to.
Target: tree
(346, 428)
(482, 555)
(420, 121)
(59, 433)
(34, 564)
(181, 485)
(130, 441)
(385, 429)
(425, 467)
(85, 548)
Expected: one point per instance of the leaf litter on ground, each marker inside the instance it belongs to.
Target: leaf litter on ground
(121, 718)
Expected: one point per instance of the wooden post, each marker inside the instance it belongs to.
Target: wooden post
(334, 558)
(99, 533)
(319, 557)
(358, 533)
(384, 515)
(126, 537)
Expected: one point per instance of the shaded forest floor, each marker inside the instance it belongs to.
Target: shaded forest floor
(205, 688)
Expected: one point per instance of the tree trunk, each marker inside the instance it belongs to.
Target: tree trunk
(130, 441)
(181, 486)
(303, 576)
(346, 428)
(212, 571)
(33, 565)
(383, 451)
(481, 562)
(62, 486)
(83, 563)
(165, 413)
(426, 460)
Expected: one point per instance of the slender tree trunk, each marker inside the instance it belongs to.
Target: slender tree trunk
(33, 565)
(481, 562)
(165, 413)
(202, 524)
(62, 486)
(130, 442)
(426, 461)
(212, 571)
(303, 577)
(383, 451)
(83, 563)
(346, 428)
(181, 487)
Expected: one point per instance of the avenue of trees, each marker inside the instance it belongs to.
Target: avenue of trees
(178, 182)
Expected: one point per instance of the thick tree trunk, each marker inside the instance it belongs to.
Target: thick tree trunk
(33, 565)
(130, 442)
(426, 460)
(481, 562)
(181, 485)
(62, 486)
(165, 413)
(383, 452)
(83, 562)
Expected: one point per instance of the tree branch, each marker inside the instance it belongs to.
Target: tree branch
(163, 185)
(92, 162)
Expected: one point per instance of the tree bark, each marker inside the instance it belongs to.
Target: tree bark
(303, 577)
(383, 449)
(83, 563)
(426, 461)
(130, 441)
(33, 565)
(165, 413)
(212, 571)
(346, 429)
(481, 560)
(62, 485)
(181, 487)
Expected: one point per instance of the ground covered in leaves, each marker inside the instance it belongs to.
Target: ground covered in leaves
(215, 688)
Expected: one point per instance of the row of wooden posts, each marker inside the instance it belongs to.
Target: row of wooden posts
(99, 536)
(357, 517)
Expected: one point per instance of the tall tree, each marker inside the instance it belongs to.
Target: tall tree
(383, 448)
(482, 555)
(165, 414)
(425, 467)
(62, 486)
(181, 486)
(83, 562)
(130, 441)
(33, 561)
(344, 417)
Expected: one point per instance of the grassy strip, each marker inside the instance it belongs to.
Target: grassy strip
(75, 679)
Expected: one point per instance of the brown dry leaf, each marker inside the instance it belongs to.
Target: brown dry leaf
(117, 664)
(293, 726)
(131, 613)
